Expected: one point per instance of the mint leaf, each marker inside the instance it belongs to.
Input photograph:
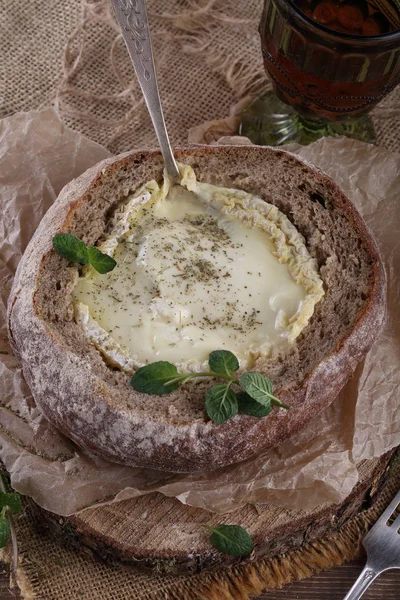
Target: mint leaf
(257, 386)
(100, 261)
(221, 403)
(151, 379)
(231, 539)
(249, 406)
(69, 247)
(4, 529)
(277, 402)
(223, 362)
(13, 501)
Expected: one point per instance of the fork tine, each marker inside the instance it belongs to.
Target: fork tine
(385, 516)
(396, 523)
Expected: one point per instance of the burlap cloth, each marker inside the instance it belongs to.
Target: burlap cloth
(71, 54)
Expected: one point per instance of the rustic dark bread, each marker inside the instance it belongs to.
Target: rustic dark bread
(94, 404)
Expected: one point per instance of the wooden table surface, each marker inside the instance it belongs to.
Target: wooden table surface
(330, 585)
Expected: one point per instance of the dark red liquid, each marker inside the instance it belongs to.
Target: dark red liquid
(329, 78)
(355, 17)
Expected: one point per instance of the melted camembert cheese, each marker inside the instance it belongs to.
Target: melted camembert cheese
(199, 268)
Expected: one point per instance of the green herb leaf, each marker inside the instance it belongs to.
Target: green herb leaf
(223, 362)
(69, 247)
(100, 261)
(151, 379)
(13, 501)
(221, 403)
(231, 539)
(4, 529)
(257, 386)
(75, 250)
(249, 406)
(277, 402)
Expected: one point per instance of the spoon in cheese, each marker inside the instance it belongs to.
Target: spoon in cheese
(132, 18)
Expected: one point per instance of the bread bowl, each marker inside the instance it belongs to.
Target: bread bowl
(93, 403)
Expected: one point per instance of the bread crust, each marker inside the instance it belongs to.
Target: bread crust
(80, 403)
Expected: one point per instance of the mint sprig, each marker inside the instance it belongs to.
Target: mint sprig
(159, 378)
(223, 362)
(10, 503)
(260, 389)
(223, 402)
(5, 531)
(231, 539)
(249, 406)
(100, 261)
(70, 247)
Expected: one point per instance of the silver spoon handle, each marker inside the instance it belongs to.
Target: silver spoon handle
(364, 580)
(132, 18)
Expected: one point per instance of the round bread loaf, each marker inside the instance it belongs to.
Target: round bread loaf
(94, 404)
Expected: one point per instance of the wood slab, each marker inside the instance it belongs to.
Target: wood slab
(164, 535)
(329, 585)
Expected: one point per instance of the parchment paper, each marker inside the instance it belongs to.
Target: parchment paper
(38, 156)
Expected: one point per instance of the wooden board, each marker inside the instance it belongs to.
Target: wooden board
(162, 534)
(330, 585)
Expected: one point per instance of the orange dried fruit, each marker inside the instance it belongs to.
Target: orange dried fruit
(350, 17)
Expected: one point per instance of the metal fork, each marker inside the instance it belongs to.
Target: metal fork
(382, 544)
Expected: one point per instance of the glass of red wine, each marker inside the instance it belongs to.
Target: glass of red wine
(330, 62)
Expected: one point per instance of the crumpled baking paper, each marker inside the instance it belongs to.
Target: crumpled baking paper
(38, 156)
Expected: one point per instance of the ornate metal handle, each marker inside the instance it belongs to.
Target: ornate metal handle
(132, 18)
(364, 580)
